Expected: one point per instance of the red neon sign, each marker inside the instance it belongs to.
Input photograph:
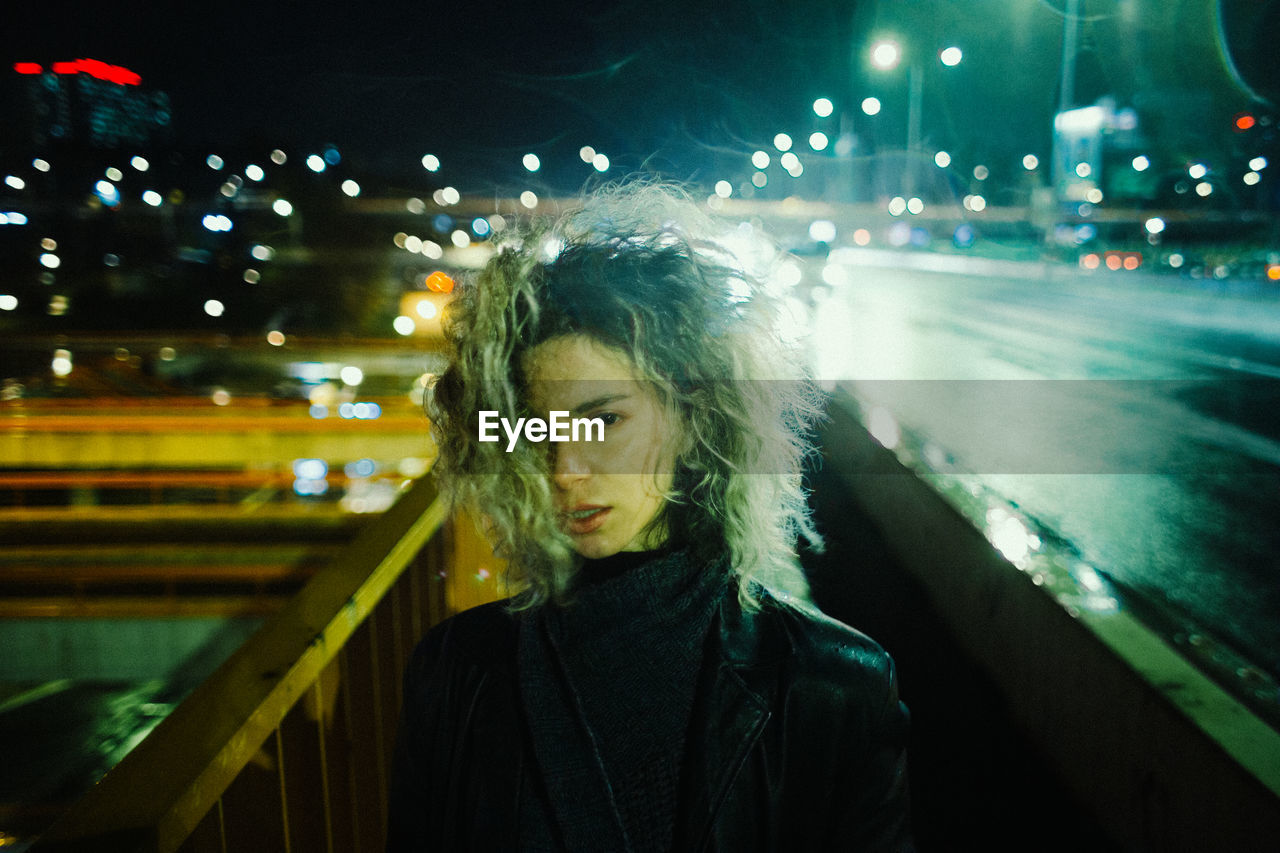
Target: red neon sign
(93, 67)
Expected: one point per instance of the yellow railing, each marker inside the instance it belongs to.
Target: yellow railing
(287, 746)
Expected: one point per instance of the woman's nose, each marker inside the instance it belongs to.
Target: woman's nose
(569, 465)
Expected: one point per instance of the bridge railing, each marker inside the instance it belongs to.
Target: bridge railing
(286, 747)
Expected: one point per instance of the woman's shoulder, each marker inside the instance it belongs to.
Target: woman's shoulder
(828, 652)
(483, 636)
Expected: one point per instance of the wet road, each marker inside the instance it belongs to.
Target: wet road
(1137, 416)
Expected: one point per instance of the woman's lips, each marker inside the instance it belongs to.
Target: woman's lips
(586, 518)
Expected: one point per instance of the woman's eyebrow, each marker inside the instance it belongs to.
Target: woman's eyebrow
(597, 402)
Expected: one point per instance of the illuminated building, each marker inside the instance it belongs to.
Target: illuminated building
(88, 103)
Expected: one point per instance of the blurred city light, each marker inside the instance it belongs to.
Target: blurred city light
(107, 191)
(823, 107)
(213, 161)
(139, 163)
(1258, 164)
(460, 238)
(818, 141)
(282, 207)
(439, 282)
(822, 231)
(532, 163)
(351, 375)
(587, 154)
(942, 159)
(1204, 189)
(1154, 225)
(871, 106)
(915, 206)
(152, 198)
(41, 165)
(1084, 170)
(600, 162)
(403, 325)
(1141, 163)
(254, 172)
(782, 142)
(431, 162)
(427, 310)
(8, 302)
(759, 180)
(275, 337)
(1252, 178)
(1030, 162)
(15, 182)
(350, 188)
(529, 199)
(50, 261)
(113, 174)
(262, 252)
(724, 189)
(1197, 170)
(252, 276)
(760, 159)
(897, 206)
(278, 157)
(885, 54)
(214, 308)
(61, 364)
(216, 222)
(951, 56)
(316, 163)
(981, 172)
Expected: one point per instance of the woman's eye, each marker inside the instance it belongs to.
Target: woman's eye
(609, 418)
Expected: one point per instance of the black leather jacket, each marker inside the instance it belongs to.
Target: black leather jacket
(797, 739)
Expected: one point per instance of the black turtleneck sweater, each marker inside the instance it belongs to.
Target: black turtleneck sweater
(608, 683)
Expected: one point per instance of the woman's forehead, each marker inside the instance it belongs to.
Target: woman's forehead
(578, 357)
(576, 371)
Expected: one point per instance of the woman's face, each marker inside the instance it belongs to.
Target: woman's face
(606, 491)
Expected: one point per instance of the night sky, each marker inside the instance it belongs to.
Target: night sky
(682, 88)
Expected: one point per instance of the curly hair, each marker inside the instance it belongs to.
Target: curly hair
(640, 270)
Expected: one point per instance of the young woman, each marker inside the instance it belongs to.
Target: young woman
(658, 682)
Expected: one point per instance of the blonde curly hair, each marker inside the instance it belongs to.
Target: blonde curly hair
(639, 269)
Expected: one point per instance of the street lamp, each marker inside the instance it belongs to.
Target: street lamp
(885, 56)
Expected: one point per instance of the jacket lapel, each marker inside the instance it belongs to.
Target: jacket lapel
(730, 711)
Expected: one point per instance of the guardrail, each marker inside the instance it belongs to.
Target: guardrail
(1157, 753)
(286, 747)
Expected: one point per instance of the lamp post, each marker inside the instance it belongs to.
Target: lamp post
(885, 56)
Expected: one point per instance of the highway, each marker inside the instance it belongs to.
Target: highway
(1134, 415)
